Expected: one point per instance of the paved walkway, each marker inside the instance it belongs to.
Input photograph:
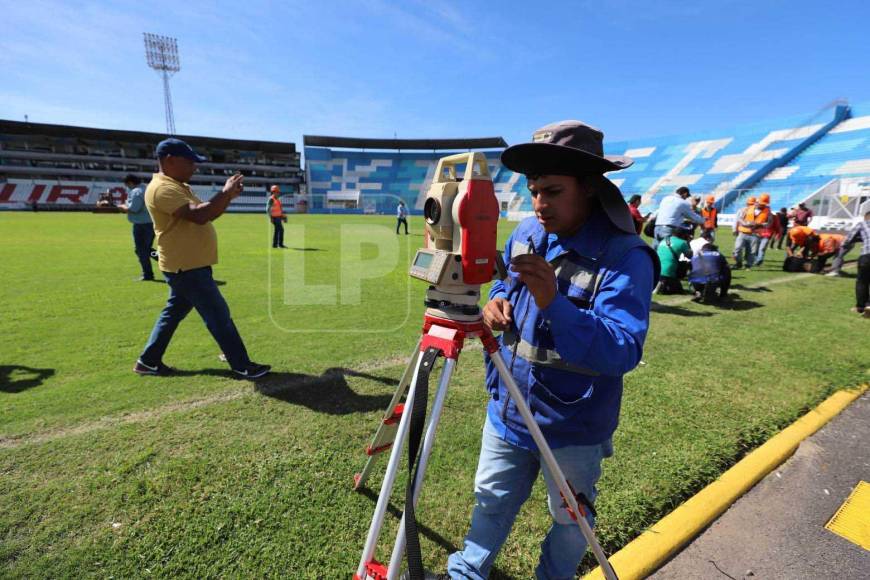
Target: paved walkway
(776, 531)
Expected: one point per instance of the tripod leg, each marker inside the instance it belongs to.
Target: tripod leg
(552, 464)
(384, 436)
(389, 480)
(428, 443)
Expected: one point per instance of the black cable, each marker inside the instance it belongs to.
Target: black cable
(415, 434)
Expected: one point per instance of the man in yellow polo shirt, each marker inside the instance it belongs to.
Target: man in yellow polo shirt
(187, 249)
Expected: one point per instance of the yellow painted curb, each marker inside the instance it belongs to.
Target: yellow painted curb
(648, 551)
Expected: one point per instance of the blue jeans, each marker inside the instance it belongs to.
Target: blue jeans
(196, 289)
(746, 245)
(660, 233)
(278, 233)
(143, 238)
(762, 248)
(505, 475)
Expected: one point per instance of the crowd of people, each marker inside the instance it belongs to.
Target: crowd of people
(756, 228)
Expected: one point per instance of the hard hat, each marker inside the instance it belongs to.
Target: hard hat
(711, 198)
(764, 198)
(750, 200)
(275, 189)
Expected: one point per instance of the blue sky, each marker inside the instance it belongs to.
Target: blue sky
(433, 68)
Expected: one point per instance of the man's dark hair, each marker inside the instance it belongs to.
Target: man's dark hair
(634, 198)
(783, 210)
(132, 179)
(683, 190)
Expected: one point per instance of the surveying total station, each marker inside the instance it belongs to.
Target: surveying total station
(460, 254)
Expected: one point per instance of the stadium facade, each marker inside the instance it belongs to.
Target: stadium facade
(821, 158)
(66, 167)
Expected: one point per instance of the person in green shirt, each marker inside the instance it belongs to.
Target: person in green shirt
(670, 250)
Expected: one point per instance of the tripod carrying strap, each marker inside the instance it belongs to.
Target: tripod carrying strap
(415, 435)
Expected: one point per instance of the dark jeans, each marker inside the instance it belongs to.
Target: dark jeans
(820, 261)
(143, 238)
(278, 234)
(779, 238)
(660, 233)
(723, 285)
(196, 289)
(862, 283)
(670, 285)
(399, 222)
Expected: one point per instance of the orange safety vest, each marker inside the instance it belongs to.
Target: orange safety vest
(709, 216)
(799, 234)
(830, 243)
(276, 210)
(759, 219)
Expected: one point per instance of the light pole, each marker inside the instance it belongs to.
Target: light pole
(161, 53)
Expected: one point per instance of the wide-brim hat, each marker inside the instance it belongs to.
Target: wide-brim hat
(574, 148)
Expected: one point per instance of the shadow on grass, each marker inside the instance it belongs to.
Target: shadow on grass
(17, 378)
(328, 393)
(307, 249)
(751, 288)
(739, 305)
(676, 310)
(425, 530)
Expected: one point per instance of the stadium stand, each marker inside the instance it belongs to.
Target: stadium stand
(66, 167)
(842, 152)
(358, 175)
(798, 158)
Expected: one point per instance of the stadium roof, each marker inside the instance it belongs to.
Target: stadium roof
(423, 144)
(22, 128)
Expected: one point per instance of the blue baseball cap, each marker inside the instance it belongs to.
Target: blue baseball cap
(178, 148)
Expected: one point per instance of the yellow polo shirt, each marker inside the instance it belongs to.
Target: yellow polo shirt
(181, 244)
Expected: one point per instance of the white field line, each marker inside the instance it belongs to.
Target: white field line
(12, 442)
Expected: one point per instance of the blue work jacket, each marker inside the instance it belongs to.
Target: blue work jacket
(569, 358)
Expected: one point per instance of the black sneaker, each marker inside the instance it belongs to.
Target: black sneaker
(253, 371)
(146, 278)
(161, 370)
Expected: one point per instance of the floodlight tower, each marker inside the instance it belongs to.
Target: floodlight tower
(161, 53)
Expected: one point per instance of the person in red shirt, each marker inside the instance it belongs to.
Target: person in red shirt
(633, 204)
(802, 215)
(781, 217)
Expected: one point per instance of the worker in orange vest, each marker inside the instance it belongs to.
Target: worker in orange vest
(711, 217)
(766, 231)
(825, 246)
(749, 220)
(276, 214)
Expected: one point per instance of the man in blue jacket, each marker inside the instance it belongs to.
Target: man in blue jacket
(574, 311)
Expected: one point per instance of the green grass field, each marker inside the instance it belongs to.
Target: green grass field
(107, 474)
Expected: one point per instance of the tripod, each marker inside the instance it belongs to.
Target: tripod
(444, 334)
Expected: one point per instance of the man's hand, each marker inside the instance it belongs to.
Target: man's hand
(234, 186)
(538, 276)
(497, 314)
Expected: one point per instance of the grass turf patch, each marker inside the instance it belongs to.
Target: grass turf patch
(104, 473)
